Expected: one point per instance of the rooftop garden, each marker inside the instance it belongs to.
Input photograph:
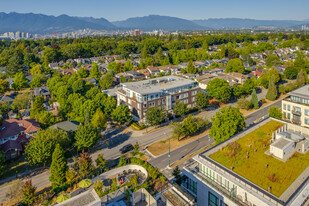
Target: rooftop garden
(247, 158)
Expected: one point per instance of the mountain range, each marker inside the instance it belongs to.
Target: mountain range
(43, 24)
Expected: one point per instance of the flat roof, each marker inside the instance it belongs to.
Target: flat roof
(281, 143)
(284, 178)
(301, 92)
(157, 85)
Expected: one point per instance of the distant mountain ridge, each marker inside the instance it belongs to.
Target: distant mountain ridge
(156, 22)
(237, 23)
(43, 24)
(40, 23)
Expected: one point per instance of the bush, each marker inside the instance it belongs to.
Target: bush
(243, 103)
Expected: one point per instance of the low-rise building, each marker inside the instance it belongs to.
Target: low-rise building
(161, 92)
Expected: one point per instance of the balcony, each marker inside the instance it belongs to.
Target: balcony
(295, 121)
(229, 194)
(295, 112)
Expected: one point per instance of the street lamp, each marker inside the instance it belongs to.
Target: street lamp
(169, 150)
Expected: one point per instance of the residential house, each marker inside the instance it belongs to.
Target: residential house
(154, 71)
(67, 126)
(15, 134)
(42, 91)
(145, 72)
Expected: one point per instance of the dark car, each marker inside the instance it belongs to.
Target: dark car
(126, 148)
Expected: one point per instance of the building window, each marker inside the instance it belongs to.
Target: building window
(194, 92)
(289, 116)
(185, 101)
(307, 112)
(284, 106)
(138, 106)
(297, 109)
(151, 104)
(159, 102)
(297, 117)
(307, 121)
(163, 101)
(193, 99)
(289, 107)
(212, 200)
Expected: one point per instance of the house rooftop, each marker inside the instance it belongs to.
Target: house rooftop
(13, 127)
(301, 92)
(68, 126)
(157, 85)
(240, 157)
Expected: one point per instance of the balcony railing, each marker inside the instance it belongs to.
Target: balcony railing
(225, 192)
(295, 121)
(296, 112)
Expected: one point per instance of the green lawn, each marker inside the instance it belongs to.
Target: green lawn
(279, 175)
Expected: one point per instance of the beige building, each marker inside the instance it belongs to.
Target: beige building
(295, 107)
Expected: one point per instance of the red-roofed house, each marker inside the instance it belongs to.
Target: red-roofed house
(15, 134)
(256, 73)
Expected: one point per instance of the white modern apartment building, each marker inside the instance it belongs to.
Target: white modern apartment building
(295, 107)
(213, 184)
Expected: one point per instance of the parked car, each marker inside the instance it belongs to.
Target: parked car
(126, 148)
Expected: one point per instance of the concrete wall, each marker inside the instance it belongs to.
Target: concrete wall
(142, 195)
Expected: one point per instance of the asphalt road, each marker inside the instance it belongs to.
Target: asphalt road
(117, 139)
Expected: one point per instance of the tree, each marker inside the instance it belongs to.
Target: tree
(36, 70)
(101, 162)
(155, 116)
(121, 114)
(4, 86)
(78, 86)
(249, 85)
(15, 63)
(191, 68)
(302, 78)
(177, 174)
(22, 101)
(98, 119)
(58, 168)
(109, 105)
(178, 129)
(46, 119)
(272, 90)
(128, 65)
(37, 106)
(275, 112)
(86, 136)
(272, 60)
(106, 81)
(243, 103)
(29, 193)
(235, 65)
(220, 89)
(227, 122)
(114, 67)
(180, 109)
(36, 82)
(290, 72)
(95, 72)
(84, 164)
(82, 72)
(39, 150)
(254, 100)
(202, 100)
(20, 81)
(70, 176)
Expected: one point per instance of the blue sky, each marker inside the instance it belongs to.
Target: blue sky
(188, 9)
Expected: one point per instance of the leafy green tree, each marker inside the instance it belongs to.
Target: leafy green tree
(82, 72)
(272, 90)
(178, 129)
(128, 65)
(202, 100)
(243, 103)
(58, 168)
(254, 100)
(220, 89)
(109, 105)
(227, 122)
(22, 101)
(272, 60)
(36, 70)
(155, 116)
(302, 78)
(39, 150)
(191, 68)
(95, 72)
(20, 81)
(121, 114)
(180, 109)
(86, 136)
(275, 112)
(70, 176)
(37, 106)
(115, 67)
(46, 119)
(98, 119)
(50, 55)
(101, 162)
(36, 82)
(290, 72)
(249, 85)
(177, 174)
(85, 165)
(235, 65)
(237, 90)
(15, 63)
(106, 81)
(29, 196)
(78, 86)
(4, 86)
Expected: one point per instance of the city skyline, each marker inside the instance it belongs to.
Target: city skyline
(197, 9)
